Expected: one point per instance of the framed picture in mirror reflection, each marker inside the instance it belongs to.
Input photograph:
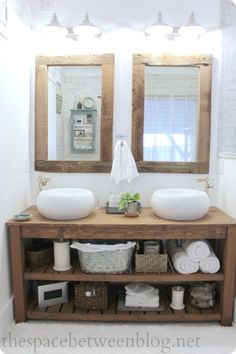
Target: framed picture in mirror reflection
(79, 133)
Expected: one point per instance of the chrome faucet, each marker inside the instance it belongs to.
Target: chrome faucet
(208, 182)
(43, 181)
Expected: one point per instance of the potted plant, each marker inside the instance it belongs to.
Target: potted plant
(130, 202)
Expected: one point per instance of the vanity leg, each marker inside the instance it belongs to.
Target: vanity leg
(227, 293)
(18, 264)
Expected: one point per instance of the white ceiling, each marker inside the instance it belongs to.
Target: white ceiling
(136, 14)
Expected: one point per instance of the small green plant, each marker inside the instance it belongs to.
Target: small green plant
(128, 198)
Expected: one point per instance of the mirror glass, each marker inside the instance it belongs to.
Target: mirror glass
(74, 113)
(171, 109)
(171, 113)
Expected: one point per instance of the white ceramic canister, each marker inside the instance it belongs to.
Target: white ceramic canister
(151, 246)
(177, 298)
(61, 255)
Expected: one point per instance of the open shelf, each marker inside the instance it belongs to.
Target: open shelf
(69, 312)
(75, 274)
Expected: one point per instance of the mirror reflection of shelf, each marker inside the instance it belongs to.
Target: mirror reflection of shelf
(83, 125)
(83, 130)
(83, 138)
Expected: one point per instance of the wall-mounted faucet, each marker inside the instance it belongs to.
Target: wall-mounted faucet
(208, 182)
(43, 181)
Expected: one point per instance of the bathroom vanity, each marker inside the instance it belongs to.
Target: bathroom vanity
(216, 227)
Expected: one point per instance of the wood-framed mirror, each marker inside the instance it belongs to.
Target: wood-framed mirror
(74, 113)
(171, 115)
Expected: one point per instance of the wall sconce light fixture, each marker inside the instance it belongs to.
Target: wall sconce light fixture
(54, 28)
(192, 27)
(87, 28)
(159, 27)
(234, 2)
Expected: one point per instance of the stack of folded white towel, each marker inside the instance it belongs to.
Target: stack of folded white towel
(193, 255)
(141, 295)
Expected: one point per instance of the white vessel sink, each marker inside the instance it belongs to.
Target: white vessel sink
(180, 203)
(65, 203)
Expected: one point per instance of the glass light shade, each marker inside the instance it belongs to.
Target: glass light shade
(54, 28)
(87, 28)
(234, 1)
(192, 28)
(159, 27)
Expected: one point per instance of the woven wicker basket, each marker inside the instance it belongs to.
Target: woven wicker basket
(113, 261)
(37, 257)
(91, 296)
(151, 262)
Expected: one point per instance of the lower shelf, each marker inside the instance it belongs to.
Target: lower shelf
(68, 312)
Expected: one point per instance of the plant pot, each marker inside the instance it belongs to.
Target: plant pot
(132, 209)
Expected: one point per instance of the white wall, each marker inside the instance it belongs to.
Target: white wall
(227, 187)
(124, 41)
(227, 131)
(14, 142)
(227, 116)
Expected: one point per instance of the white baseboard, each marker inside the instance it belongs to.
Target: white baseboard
(6, 317)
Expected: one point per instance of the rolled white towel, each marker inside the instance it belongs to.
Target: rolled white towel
(211, 264)
(181, 261)
(196, 249)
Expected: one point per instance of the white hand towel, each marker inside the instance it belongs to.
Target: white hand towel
(151, 299)
(140, 289)
(154, 304)
(182, 262)
(145, 297)
(211, 264)
(196, 249)
(123, 165)
(141, 295)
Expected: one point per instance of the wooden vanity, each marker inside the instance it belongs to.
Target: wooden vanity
(215, 226)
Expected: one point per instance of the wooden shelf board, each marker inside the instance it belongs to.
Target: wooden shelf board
(75, 274)
(213, 225)
(68, 312)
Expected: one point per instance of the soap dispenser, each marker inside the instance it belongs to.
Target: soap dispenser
(114, 200)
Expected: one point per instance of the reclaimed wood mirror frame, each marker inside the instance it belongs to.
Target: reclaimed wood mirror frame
(204, 62)
(41, 114)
